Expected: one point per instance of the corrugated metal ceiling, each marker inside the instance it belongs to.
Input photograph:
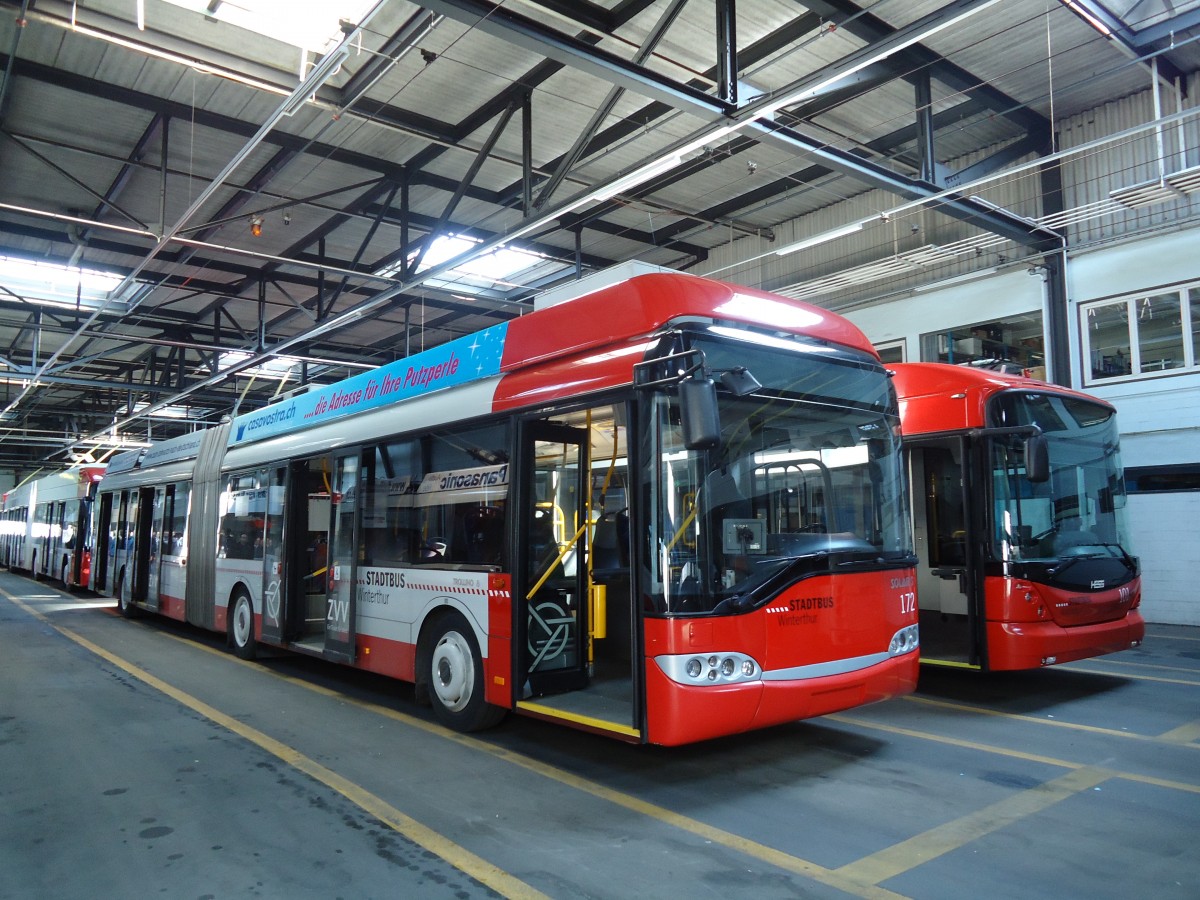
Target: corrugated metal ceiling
(105, 125)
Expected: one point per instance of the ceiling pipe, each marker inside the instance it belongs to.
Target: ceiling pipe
(321, 72)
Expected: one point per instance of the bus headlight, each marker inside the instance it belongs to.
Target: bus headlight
(904, 641)
(711, 668)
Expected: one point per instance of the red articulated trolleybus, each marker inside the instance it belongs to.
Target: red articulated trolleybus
(665, 510)
(1019, 513)
(46, 528)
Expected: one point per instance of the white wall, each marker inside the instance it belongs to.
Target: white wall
(1159, 416)
(1167, 542)
(962, 303)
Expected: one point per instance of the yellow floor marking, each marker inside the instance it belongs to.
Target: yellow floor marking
(920, 849)
(1170, 637)
(462, 859)
(750, 848)
(1005, 751)
(1036, 720)
(1184, 734)
(855, 878)
(953, 741)
(1138, 665)
(1071, 667)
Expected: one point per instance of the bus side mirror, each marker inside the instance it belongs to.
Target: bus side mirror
(698, 412)
(1037, 458)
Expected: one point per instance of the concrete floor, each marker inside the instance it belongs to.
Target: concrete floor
(139, 759)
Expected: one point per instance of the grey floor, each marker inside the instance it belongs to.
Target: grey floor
(140, 759)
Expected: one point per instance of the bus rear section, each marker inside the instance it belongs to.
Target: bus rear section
(48, 527)
(1023, 563)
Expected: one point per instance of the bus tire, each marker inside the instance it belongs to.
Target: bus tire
(454, 674)
(65, 574)
(124, 606)
(241, 626)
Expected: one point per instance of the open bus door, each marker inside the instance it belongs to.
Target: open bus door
(103, 545)
(552, 583)
(277, 570)
(142, 531)
(949, 594)
(343, 558)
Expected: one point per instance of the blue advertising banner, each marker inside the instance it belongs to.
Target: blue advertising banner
(456, 362)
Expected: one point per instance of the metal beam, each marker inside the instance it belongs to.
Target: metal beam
(526, 33)
(727, 67)
(539, 39)
(864, 25)
(567, 161)
(1121, 36)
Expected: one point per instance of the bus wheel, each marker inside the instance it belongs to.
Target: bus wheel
(456, 677)
(65, 574)
(124, 606)
(241, 626)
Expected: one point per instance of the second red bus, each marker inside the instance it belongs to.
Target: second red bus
(1020, 520)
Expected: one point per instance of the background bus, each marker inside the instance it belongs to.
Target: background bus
(665, 510)
(1018, 569)
(47, 525)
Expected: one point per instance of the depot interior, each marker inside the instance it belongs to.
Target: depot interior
(204, 209)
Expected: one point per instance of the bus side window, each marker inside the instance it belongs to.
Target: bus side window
(483, 534)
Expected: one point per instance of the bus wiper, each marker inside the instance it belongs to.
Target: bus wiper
(908, 559)
(1125, 557)
(1068, 562)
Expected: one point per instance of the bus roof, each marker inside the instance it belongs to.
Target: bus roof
(614, 317)
(937, 397)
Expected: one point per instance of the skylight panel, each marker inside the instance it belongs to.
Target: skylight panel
(312, 25)
(38, 281)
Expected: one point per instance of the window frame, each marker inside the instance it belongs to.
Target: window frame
(1131, 301)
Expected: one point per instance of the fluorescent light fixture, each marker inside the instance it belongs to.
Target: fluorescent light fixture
(603, 192)
(822, 238)
(1146, 194)
(1186, 180)
(632, 180)
(886, 51)
(1089, 18)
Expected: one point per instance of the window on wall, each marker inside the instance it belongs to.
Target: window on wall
(1141, 335)
(1015, 343)
(891, 352)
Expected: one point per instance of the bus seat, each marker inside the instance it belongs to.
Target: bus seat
(483, 528)
(610, 542)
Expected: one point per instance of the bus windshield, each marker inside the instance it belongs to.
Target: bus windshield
(806, 478)
(1080, 511)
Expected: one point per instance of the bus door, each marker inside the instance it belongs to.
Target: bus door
(154, 546)
(276, 570)
(103, 545)
(950, 607)
(551, 585)
(340, 601)
(50, 566)
(141, 537)
(122, 543)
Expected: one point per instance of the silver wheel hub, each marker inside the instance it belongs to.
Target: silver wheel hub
(243, 621)
(453, 671)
